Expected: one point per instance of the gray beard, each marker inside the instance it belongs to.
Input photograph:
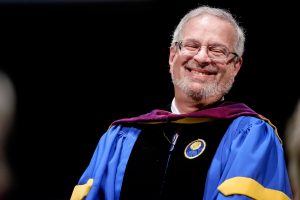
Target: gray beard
(210, 90)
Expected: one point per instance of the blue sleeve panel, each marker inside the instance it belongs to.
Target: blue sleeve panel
(107, 166)
(249, 160)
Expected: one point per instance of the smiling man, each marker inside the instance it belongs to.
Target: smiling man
(203, 62)
(202, 147)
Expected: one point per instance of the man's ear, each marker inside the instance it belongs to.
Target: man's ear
(172, 55)
(237, 64)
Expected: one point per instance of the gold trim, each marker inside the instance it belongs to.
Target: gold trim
(269, 122)
(192, 120)
(186, 120)
(251, 188)
(81, 191)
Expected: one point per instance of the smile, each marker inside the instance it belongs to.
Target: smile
(200, 71)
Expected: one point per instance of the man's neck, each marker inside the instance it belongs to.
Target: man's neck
(178, 107)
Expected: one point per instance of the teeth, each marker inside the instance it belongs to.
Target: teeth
(197, 72)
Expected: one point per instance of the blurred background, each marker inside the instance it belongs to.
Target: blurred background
(78, 65)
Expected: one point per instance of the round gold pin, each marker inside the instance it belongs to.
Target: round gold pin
(194, 149)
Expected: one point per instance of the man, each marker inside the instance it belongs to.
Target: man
(205, 148)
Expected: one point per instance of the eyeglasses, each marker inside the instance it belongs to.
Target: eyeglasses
(217, 53)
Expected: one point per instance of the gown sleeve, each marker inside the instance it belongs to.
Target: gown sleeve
(103, 177)
(248, 164)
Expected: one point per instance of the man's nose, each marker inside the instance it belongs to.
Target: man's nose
(202, 55)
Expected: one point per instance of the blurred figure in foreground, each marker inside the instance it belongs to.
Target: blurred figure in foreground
(7, 108)
(293, 150)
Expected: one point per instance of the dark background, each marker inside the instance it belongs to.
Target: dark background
(78, 66)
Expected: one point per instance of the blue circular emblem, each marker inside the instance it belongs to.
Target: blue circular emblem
(194, 149)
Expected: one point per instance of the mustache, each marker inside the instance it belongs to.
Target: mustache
(195, 66)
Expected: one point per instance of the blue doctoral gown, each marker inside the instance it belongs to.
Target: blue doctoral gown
(248, 164)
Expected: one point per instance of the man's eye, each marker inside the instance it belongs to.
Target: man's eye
(191, 47)
(217, 50)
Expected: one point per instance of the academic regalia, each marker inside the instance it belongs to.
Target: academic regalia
(223, 152)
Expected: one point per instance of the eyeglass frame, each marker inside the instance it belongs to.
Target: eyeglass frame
(179, 44)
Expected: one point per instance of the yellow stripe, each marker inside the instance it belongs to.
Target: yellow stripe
(81, 191)
(192, 120)
(251, 188)
(186, 120)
